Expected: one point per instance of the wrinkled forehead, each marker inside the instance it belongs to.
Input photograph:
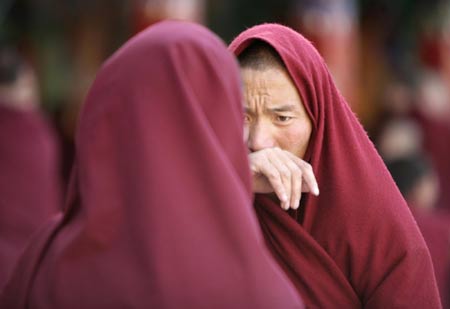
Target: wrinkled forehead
(286, 57)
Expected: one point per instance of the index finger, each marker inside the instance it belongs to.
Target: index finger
(308, 173)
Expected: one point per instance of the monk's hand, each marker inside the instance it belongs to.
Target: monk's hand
(279, 171)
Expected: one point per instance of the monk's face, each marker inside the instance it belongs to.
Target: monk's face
(274, 113)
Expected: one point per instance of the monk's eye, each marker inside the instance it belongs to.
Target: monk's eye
(246, 118)
(283, 118)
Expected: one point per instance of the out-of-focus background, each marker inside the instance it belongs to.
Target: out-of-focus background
(390, 59)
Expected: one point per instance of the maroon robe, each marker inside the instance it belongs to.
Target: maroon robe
(30, 184)
(357, 244)
(159, 212)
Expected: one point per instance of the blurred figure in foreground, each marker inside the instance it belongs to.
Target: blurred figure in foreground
(30, 186)
(159, 210)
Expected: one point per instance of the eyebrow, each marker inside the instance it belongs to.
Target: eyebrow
(284, 108)
(278, 109)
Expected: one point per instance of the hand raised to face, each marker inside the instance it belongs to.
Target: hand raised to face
(279, 171)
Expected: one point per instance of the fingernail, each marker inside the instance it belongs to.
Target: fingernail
(316, 191)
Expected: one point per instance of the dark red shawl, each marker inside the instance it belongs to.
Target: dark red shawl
(30, 184)
(357, 243)
(160, 212)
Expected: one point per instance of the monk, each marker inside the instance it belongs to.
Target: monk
(354, 244)
(30, 183)
(159, 211)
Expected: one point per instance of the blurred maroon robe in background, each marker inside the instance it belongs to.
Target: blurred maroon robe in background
(436, 232)
(30, 184)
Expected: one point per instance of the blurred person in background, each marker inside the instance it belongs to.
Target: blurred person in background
(356, 244)
(159, 210)
(419, 185)
(415, 114)
(398, 138)
(432, 112)
(434, 39)
(395, 103)
(401, 143)
(30, 184)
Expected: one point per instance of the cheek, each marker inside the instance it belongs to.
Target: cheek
(296, 138)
